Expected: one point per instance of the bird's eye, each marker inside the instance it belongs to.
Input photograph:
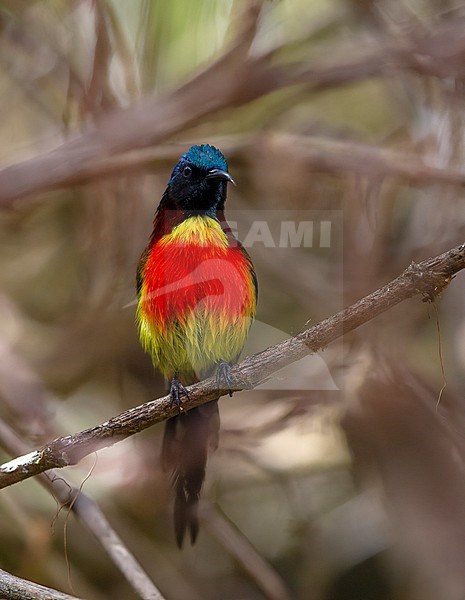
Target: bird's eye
(187, 172)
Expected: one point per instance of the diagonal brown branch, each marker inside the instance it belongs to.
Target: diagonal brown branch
(427, 278)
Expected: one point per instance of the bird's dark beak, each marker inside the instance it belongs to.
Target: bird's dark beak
(219, 174)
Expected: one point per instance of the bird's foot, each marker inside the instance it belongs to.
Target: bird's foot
(223, 376)
(176, 391)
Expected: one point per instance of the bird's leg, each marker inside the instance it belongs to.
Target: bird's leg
(223, 376)
(176, 390)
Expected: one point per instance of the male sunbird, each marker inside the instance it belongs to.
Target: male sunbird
(197, 293)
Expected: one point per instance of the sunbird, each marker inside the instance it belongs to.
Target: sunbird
(197, 296)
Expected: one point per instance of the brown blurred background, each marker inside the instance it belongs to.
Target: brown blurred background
(344, 472)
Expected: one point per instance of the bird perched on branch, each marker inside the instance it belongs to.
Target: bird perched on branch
(197, 293)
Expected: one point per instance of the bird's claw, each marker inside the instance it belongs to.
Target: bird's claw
(176, 390)
(223, 377)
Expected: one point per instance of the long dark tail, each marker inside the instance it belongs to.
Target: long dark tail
(186, 442)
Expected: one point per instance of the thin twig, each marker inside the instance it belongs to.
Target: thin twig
(427, 278)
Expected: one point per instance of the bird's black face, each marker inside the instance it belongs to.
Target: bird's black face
(198, 182)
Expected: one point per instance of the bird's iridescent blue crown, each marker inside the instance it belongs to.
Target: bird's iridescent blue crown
(206, 157)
